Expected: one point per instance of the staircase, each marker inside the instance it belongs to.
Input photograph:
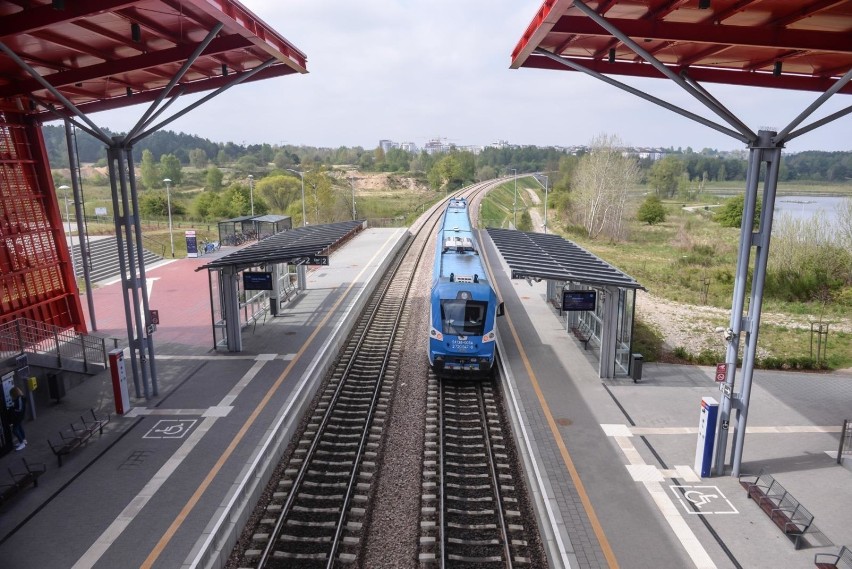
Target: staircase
(103, 253)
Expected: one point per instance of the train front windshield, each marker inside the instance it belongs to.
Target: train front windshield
(463, 317)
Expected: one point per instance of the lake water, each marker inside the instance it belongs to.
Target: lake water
(805, 207)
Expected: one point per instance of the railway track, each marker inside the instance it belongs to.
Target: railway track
(470, 507)
(319, 509)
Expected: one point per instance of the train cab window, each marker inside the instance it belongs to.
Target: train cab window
(463, 317)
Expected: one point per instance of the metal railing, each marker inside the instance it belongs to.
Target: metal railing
(845, 441)
(31, 336)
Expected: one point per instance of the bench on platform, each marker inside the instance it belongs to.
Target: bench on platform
(287, 294)
(782, 508)
(583, 334)
(842, 560)
(21, 480)
(78, 435)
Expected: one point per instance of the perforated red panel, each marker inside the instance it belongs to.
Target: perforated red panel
(35, 267)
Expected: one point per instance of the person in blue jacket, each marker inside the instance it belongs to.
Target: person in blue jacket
(19, 411)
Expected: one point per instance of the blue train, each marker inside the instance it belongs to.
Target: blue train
(464, 307)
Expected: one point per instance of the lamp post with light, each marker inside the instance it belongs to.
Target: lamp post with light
(302, 176)
(515, 203)
(168, 183)
(251, 192)
(70, 234)
(546, 180)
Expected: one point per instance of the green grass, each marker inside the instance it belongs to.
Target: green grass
(692, 260)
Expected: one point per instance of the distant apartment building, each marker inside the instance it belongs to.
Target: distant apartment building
(386, 145)
(438, 145)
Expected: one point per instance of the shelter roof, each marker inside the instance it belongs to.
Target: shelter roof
(289, 246)
(801, 45)
(551, 257)
(237, 219)
(270, 218)
(103, 54)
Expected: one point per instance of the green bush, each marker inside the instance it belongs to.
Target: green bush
(647, 341)
(731, 212)
(651, 211)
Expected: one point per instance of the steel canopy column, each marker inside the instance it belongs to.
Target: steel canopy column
(70, 140)
(609, 325)
(228, 288)
(128, 234)
(763, 151)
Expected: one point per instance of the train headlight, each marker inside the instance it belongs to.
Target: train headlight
(435, 334)
(489, 337)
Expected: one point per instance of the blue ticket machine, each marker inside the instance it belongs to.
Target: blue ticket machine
(706, 436)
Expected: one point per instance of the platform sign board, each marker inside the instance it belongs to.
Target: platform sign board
(579, 299)
(257, 280)
(191, 244)
(721, 372)
(119, 381)
(706, 436)
(321, 260)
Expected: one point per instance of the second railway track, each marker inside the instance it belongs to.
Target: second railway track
(318, 508)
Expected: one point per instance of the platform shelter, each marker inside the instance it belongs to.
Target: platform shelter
(256, 281)
(596, 301)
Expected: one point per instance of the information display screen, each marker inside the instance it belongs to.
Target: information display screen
(257, 281)
(579, 299)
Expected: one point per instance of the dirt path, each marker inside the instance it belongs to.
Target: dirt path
(693, 327)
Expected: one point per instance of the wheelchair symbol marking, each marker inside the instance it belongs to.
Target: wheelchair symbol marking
(170, 429)
(703, 500)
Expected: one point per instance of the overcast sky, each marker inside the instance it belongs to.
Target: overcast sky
(412, 70)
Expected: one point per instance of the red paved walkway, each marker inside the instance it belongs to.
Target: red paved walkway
(180, 294)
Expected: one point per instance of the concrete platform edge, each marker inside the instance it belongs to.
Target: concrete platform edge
(557, 542)
(215, 544)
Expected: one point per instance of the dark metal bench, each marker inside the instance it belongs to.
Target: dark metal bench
(21, 480)
(77, 435)
(842, 560)
(583, 334)
(782, 508)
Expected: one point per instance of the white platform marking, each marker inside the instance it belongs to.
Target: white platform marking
(652, 478)
(122, 521)
(706, 500)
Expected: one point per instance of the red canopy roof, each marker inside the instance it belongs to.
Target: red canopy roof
(803, 45)
(103, 54)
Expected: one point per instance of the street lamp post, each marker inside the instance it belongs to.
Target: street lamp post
(352, 183)
(515, 203)
(168, 183)
(251, 192)
(302, 176)
(546, 180)
(70, 235)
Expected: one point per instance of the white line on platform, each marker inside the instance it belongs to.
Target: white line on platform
(749, 430)
(117, 527)
(652, 478)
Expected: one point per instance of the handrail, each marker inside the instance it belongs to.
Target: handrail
(147, 240)
(25, 335)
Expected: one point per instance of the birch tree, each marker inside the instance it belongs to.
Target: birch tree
(600, 185)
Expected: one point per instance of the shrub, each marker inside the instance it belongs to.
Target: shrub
(651, 211)
(731, 212)
(647, 341)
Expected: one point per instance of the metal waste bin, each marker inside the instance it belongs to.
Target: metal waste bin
(55, 386)
(636, 368)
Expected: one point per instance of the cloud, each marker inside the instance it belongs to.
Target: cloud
(409, 70)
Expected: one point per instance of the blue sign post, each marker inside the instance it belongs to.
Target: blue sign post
(191, 244)
(706, 436)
